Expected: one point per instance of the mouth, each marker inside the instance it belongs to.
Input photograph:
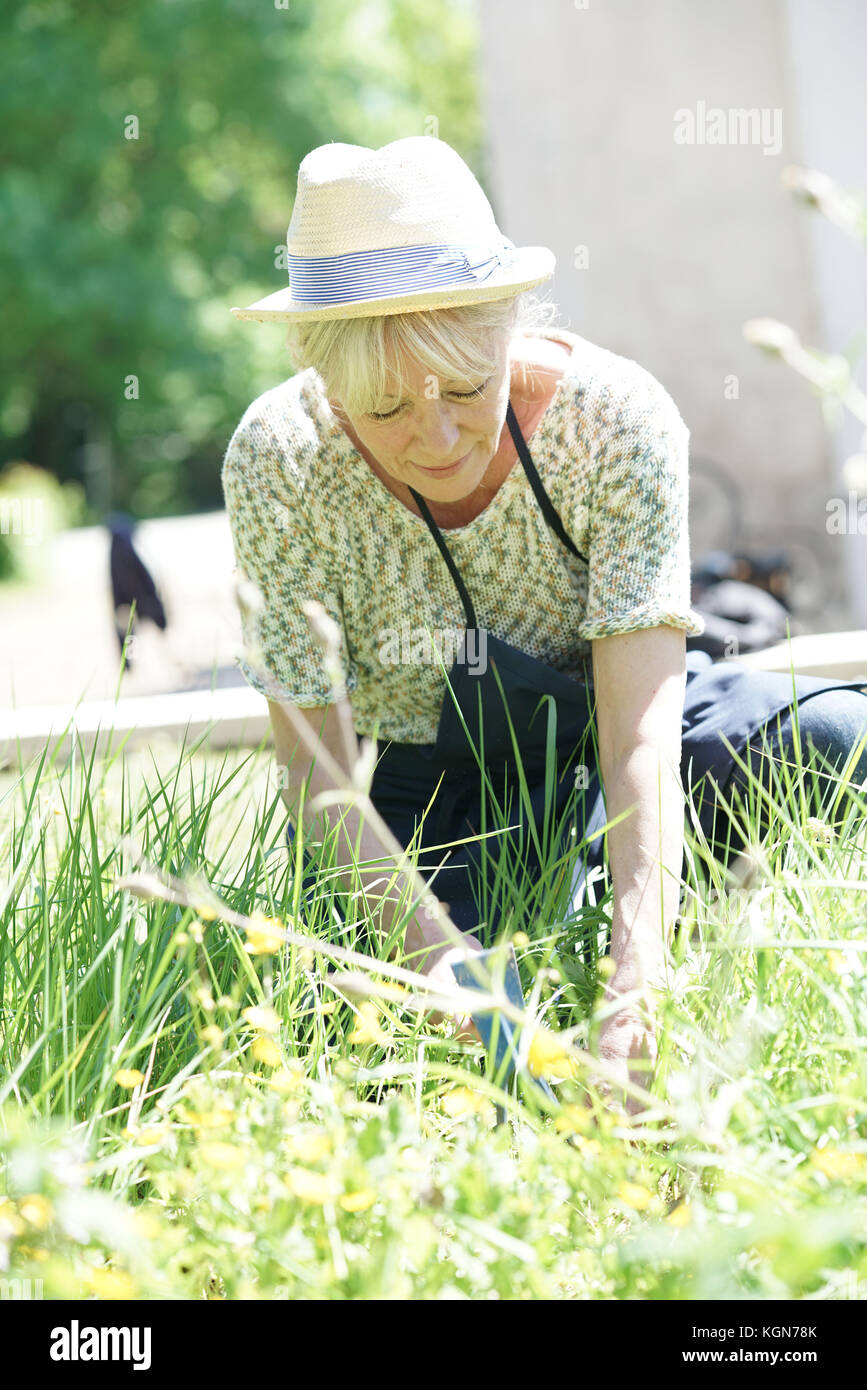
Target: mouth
(445, 472)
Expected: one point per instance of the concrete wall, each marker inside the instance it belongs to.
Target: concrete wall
(687, 241)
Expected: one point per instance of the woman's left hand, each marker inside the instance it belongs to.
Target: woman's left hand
(627, 1038)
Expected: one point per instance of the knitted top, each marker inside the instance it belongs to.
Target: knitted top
(310, 519)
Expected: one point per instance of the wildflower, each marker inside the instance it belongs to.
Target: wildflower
(265, 1050)
(147, 1224)
(110, 1283)
(211, 1119)
(287, 1079)
(461, 1101)
(835, 1163)
(10, 1222)
(223, 1156)
(367, 1029)
(635, 1196)
(680, 1216)
(264, 935)
(819, 831)
(520, 940)
(572, 1119)
(263, 1018)
(316, 1188)
(548, 1056)
(309, 1146)
(358, 1201)
(129, 1078)
(206, 911)
(36, 1210)
(213, 1035)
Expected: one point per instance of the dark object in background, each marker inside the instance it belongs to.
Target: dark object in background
(130, 581)
(743, 600)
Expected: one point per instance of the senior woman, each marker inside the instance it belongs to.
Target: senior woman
(445, 462)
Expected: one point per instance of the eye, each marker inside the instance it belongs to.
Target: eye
(469, 395)
(386, 415)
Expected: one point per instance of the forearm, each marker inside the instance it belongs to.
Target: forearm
(388, 893)
(645, 852)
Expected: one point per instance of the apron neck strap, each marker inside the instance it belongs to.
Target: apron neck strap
(461, 587)
(547, 507)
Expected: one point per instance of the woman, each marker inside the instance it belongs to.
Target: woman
(468, 490)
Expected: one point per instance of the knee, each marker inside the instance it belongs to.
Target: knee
(835, 723)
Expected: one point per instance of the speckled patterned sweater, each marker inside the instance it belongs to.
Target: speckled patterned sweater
(310, 519)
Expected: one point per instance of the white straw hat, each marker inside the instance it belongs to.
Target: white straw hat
(387, 231)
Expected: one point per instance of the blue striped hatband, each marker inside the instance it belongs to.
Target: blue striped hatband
(396, 270)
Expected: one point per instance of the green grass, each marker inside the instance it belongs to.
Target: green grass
(325, 1145)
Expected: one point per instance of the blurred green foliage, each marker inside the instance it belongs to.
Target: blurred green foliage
(151, 154)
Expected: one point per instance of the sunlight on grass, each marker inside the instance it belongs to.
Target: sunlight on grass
(192, 1105)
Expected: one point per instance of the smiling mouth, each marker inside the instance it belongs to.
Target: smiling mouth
(446, 468)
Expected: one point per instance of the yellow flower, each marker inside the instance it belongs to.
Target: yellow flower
(358, 1201)
(213, 1035)
(265, 1050)
(36, 1210)
(588, 1147)
(287, 1079)
(262, 1017)
(210, 1119)
(311, 1187)
(572, 1119)
(206, 912)
(129, 1078)
(548, 1055)
(110, 1283)
(147, 1224)
(836, 1164)
(264, 935)
(309, 1147)
(635, 1196)
(223, 1156)
(10, 1222)
(460, 1101)
(681, 1215)
(367, 1029)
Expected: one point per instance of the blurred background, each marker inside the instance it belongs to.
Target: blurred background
(695, 168)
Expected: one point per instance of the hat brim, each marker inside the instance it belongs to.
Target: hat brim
(532, 266)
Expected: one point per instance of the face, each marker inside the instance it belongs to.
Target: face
(440, 436)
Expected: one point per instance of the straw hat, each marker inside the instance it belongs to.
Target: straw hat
(387, 231)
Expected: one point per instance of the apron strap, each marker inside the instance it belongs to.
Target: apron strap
(461, 587)
(548, 510)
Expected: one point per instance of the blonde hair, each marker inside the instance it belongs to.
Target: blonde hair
(354, 356)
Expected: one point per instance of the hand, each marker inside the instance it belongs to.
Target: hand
(440, 973)
(626, 1038)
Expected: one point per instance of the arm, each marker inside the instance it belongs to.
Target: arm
(425, 942)
(640, 680)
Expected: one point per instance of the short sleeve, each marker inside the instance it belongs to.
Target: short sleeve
(638, 525)
(277, 551)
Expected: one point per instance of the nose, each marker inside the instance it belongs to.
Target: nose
(437, 435)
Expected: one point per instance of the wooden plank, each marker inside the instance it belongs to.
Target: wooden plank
(237, 716)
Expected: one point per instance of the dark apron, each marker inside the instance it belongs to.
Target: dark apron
(534, 762)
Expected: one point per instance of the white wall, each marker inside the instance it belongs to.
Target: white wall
(687, 242)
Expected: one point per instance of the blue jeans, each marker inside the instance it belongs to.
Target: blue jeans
(831, 724)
